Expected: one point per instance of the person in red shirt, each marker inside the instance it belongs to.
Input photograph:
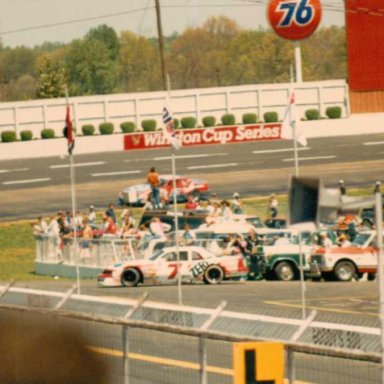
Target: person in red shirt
(191, 204)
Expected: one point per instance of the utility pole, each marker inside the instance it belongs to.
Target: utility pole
(161, 44)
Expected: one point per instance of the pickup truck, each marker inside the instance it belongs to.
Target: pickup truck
(345, 264)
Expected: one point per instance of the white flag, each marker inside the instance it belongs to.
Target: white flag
(169, 129)
(289, 121)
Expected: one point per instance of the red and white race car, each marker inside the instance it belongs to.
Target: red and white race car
(195, 264)
(346, 263)
(138, 194)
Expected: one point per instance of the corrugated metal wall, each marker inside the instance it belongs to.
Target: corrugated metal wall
(366, 102)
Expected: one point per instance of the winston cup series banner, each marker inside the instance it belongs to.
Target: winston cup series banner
(202, 136)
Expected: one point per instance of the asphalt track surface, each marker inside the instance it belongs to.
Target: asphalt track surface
(42, 186)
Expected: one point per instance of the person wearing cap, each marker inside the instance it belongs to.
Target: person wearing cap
(236, 204)
(343, 189)
(343, 241)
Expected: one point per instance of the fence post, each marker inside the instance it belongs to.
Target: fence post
(202, 346)
(125, 332)
(65, 297)
(7, 288)
(296, 336)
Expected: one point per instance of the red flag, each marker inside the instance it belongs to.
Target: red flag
(68, 131)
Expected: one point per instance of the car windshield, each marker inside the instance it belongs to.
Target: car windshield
(156, 255)
(361, 239)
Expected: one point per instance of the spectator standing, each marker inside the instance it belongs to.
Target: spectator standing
(273, 206)
(53, 232)
(86, 239)
(225, 211)
(325, 241)
(40, 226)
(153, 179)
(342, 187)
(91, 215)
(236, 204)
(78, 220)
(110, 212)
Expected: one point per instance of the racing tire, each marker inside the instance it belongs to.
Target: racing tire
(130, 277)
(213, 275)
(371, 276)
(344, 271)
(285, 271)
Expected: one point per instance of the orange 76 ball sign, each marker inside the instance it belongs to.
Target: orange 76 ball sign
(294, 19)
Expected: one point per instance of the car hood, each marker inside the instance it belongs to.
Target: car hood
(137, 188)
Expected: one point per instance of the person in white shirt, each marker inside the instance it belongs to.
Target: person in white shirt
(236, 204)
(53, 232)
(91, 215)
(326, 242)
(225, 211)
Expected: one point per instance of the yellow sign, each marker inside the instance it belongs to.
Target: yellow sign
(258, 363)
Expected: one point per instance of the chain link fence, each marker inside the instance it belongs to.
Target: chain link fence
(152, 342)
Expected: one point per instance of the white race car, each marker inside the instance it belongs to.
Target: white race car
(195, 264)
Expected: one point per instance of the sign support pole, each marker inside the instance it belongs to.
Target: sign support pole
(298, 65)
(380, 272)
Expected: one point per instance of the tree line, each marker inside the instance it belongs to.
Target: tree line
(217, 53)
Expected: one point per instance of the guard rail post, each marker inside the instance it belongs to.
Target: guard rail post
(290, 352)
(125, 331)
(202, 347)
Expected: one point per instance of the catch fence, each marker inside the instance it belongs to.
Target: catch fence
(151, 342)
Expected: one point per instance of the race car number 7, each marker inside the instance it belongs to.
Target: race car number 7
(173, 273)
(301, 13)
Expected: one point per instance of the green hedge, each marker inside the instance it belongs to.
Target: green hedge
(188, 122)
(47, 133)
(128, 127)
(249, 118)
(312, 114)
(333, 112)
(149, 125)
(271, 117)
(106, 128)
(228, 119)
(8, 136)
(88, 129)
(209, 121)
(176, 123)
(26, 135)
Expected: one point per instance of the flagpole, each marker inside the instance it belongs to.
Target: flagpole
(73, 198)
(293, 122)
(179, 290)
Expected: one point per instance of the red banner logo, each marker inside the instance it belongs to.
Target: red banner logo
(202, 136)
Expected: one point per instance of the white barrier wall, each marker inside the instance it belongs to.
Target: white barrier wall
(50, 113)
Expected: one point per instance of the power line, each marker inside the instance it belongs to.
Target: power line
(331, 6)
(51, 25)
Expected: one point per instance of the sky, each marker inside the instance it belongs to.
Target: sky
(33, 22)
